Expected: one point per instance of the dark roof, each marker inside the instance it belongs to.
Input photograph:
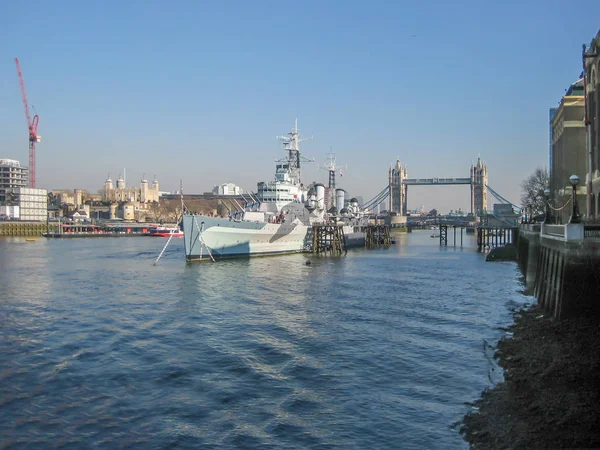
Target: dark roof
(576, 88)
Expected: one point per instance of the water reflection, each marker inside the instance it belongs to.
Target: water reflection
(359, 351)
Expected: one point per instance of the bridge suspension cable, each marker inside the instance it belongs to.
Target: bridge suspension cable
(385, 193)
(517, 209)
(377, 200)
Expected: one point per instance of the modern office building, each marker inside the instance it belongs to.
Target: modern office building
(17, 201)
(227, 189)
(28, 203)
(11, 175)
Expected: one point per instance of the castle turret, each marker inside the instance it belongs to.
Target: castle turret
(144, 190)
(120, 183)
(108, 187)
(78, 194)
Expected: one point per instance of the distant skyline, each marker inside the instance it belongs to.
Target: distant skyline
(199, 91)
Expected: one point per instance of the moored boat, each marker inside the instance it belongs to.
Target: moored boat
(278, 219)
(165, 232)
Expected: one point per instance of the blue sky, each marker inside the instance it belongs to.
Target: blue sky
(199, 90)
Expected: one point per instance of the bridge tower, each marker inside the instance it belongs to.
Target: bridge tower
(479, 181)
(398, 189)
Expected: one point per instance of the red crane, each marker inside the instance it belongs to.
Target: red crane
(32, 126)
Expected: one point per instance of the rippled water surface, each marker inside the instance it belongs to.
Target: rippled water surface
(378, 349)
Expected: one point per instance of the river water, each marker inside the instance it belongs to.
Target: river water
(99, 348)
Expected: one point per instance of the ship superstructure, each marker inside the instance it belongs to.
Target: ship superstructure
(287, 187)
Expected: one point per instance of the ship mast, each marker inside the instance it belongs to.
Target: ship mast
(330, 167)
(291, 144)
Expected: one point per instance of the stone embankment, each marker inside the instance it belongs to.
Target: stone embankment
(507, 252)
(17, 228)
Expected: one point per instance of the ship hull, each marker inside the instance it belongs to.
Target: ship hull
(227, 238)
(230, 239)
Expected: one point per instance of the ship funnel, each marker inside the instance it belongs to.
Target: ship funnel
(320, 192)
(339, 199)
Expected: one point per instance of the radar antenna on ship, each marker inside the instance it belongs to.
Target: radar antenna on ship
(291, 144)
(331, 168)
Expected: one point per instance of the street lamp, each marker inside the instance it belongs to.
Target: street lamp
(574, 179)
(548, 218)
(530, 208)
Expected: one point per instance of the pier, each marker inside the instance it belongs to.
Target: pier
(489, 237)
(82, 230)
(328, 239)
(378, 236)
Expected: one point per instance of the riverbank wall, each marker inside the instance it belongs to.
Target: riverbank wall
(18, 228)
(561, 267)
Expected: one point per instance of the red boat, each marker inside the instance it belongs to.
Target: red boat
(165, 232)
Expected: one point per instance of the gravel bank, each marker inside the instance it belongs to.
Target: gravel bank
(551, 394)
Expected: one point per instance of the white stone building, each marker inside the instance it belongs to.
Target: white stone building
(120, 193)
(227, 189)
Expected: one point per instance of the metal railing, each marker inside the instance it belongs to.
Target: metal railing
(565, 232)
(591, 231)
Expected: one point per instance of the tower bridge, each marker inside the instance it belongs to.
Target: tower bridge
(399, 182)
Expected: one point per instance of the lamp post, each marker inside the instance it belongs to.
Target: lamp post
(530, 208)
(548, 218)
(574, 179)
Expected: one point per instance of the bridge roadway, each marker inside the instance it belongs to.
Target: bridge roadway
(426, 181)
(415, 222)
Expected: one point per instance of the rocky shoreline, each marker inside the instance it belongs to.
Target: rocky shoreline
(550, 397)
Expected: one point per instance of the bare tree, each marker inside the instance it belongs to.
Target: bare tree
(533, 190)
(171, 210)
(157, 211)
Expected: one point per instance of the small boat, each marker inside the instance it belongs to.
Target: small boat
(165, 232)
(435, 235)
(29, 239)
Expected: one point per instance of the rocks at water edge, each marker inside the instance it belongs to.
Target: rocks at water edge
(505, 253)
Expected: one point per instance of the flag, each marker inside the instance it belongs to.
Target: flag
(341, 173)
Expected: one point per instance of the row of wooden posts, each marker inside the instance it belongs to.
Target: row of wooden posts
(330, 239)
(487, 237)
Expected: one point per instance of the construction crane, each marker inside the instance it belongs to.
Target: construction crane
(32, 127)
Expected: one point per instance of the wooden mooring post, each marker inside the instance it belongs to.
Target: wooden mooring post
(328, 239)
(378, 236)
(490, 237)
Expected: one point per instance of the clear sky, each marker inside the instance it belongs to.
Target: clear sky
(198, 90)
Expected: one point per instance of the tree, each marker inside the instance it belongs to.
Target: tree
(172, 210)
(157, 211)
(533, 191)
